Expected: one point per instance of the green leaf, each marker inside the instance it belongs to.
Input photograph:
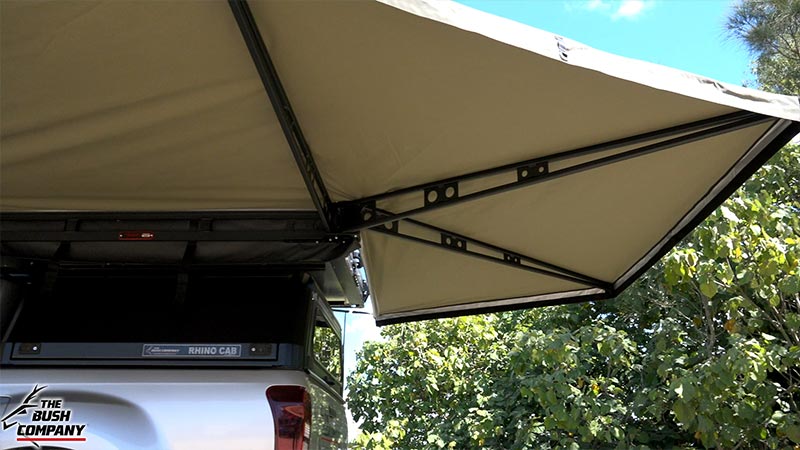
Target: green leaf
(790, 285)
(793, 321)
(744, 277)
(793, 433)
(684, 412)
(709, 289)
(525, 392)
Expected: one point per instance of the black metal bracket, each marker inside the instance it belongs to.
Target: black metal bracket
(537, 170)
(442, 193)
(283, 110)
(532, 171)
(465, 245)
(391, 227)
(453, 241)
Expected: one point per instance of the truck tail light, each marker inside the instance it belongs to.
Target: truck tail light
(136, 236)
(291, 412)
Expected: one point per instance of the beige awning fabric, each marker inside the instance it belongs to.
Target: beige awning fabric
(485, 164)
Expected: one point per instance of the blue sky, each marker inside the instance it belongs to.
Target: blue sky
(684, 34)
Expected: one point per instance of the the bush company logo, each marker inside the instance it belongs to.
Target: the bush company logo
(48, 420)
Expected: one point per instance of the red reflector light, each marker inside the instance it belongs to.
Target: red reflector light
(136, 235)
(291, 412)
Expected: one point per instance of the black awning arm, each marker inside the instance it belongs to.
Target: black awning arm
(366, 213)
(455, 242)
(283, 110)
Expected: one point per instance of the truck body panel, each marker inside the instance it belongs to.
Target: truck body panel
(175, 409)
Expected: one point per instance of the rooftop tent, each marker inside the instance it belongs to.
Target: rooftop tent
(484, 165)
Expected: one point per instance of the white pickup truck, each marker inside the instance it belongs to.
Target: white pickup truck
(105, 347)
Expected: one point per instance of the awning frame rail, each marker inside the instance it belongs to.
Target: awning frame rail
(458, 243)
(283, 110)
(363, 213)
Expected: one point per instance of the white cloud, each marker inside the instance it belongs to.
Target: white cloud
(613, 9)
(592, 5)
(629, 9)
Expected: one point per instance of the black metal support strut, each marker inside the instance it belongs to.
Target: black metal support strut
(283, 110)
(365, 212)
(455, 242)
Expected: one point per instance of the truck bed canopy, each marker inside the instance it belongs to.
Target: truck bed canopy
(485, 165)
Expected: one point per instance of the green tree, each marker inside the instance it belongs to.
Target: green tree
(739, 272)
(423, 387)
(771, 31)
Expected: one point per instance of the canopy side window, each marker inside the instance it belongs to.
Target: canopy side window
(326, 346)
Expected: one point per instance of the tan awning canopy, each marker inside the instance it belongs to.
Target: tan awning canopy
(486, 165)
